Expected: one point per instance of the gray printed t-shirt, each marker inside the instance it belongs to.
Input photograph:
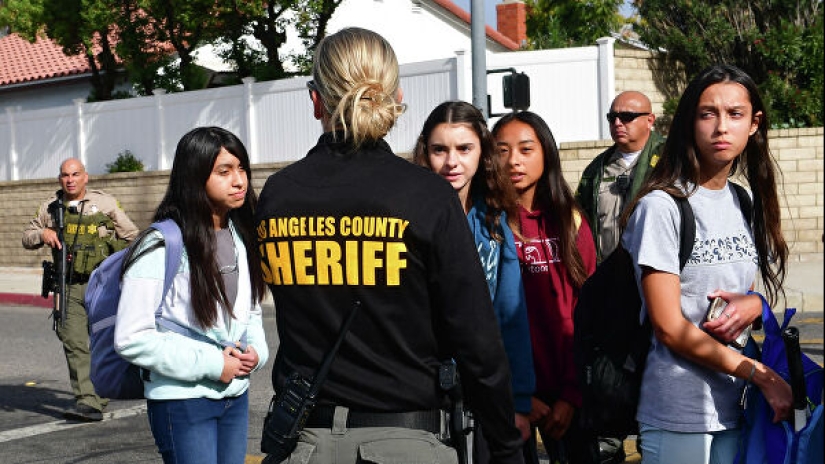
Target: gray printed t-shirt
(679, 395)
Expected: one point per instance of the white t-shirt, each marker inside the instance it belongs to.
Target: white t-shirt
(629, 158)
(677, 394)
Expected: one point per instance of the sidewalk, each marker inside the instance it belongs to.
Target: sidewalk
(803, 286)
(21, 286)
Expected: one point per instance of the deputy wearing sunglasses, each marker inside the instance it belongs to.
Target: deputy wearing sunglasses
(610, 181)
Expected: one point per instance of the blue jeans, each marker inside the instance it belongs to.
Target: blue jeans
(664, 447)
(200, 430)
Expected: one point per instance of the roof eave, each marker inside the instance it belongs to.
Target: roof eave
(46, 81)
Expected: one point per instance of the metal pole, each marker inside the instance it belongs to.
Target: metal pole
(479, 57)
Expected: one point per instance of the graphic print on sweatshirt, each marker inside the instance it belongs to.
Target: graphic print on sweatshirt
(537, 254)
(489, 256)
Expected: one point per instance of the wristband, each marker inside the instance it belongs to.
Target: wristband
(753, 371)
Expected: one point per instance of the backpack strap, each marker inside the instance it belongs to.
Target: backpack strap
(687, 230)
(173, 326)
(745, 202)
(173, 242)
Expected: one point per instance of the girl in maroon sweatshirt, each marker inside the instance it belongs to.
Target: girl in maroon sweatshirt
(557, 254)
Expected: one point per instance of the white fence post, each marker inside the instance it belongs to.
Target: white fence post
(79, 134)
(607, 82)
(15, 174)
(462, 77)
(162, 158)
(249, 120)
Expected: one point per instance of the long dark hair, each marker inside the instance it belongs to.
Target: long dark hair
(490, 180)
(680, 165)
(187, 204)
(553, 193)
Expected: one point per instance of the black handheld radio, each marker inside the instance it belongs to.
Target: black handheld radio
(291, 406)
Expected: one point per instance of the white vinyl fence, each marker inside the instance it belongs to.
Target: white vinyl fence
(570, 88)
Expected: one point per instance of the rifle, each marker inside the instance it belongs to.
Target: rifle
(461, 423)
(61, 298)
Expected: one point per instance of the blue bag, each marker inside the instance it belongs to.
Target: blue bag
(111, 375)
(762, 441)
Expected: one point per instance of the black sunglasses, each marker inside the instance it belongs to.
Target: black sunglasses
(311, 87)
(624, 116)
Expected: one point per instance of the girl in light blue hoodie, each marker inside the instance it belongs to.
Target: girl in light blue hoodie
(456, 144)
(196, 391)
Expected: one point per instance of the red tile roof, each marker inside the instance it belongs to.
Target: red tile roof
(23, 61)
(465, 16)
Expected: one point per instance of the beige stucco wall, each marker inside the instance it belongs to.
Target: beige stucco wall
(634, 70)
(799, 153)
(639, 70)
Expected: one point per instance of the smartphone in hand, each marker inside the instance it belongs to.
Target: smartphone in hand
(715, 310)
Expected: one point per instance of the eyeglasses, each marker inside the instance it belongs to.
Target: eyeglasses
(230, 269)
(311, 87)
(624, 116)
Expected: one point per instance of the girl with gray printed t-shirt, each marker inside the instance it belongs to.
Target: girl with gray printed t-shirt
(688, 410)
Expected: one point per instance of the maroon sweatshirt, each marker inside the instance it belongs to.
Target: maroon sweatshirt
(551, 298)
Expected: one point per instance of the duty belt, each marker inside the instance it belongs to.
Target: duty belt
(430, 421)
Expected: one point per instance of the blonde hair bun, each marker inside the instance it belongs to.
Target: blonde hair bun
(356, 72)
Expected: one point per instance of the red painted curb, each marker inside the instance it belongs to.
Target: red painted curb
(25, 299)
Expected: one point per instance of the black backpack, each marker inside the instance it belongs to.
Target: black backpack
(610, 345)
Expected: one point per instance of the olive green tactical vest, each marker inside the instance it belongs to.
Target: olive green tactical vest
(90, 238)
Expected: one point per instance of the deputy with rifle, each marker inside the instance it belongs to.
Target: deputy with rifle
(82, 227)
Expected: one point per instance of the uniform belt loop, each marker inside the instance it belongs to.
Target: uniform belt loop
(339, 420)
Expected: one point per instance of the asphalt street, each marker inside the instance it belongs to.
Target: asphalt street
(34, 391)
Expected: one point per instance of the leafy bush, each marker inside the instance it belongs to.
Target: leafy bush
(779, 43)
(571, 23)
(125, 162)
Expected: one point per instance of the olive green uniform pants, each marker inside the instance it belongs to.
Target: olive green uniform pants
(74, 333)
(368, 445)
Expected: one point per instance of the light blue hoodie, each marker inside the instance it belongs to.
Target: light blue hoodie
(181, 367)
(503, 272)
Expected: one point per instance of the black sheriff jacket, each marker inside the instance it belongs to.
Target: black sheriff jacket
(343, 225)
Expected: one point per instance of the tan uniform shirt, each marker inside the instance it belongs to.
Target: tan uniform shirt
(612, 199)
(95, 201)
